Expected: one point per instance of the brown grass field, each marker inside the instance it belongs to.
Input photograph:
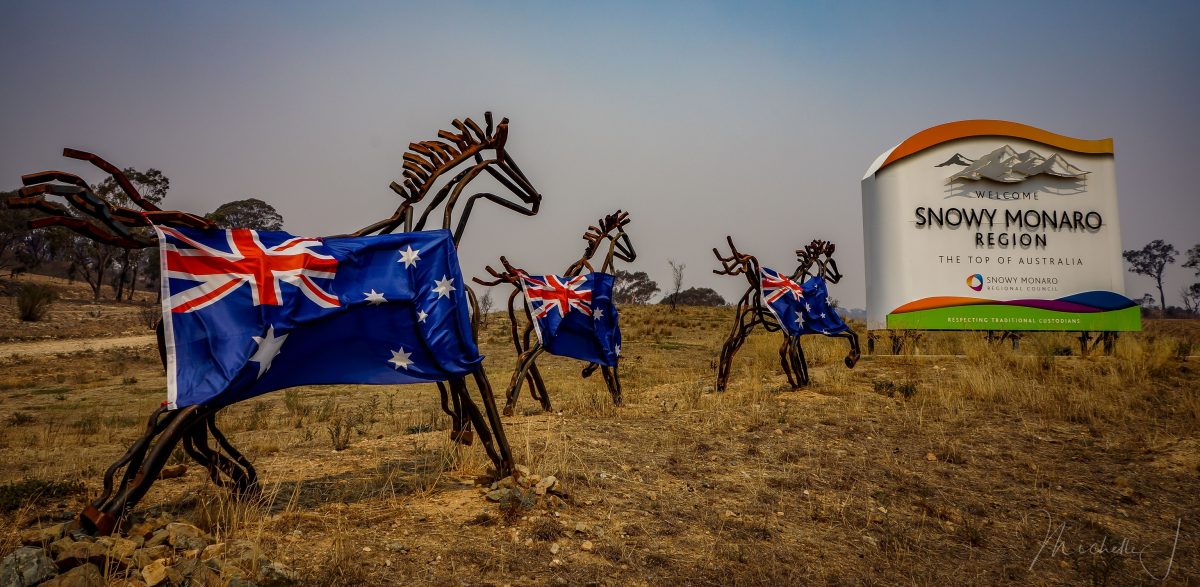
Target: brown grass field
(965, 464)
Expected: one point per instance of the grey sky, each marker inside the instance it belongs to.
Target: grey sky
(702, 119)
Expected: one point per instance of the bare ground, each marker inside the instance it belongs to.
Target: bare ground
(982, 467)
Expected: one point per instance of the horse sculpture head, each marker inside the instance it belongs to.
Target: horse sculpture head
(817, 255)
(471, 150)
(612, 229)
(737, 263)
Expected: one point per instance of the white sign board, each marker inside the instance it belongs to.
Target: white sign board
(993, 225)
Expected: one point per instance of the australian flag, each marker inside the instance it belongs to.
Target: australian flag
(800, 309)
(575, 316)
(246, 312)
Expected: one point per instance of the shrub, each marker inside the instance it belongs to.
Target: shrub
(33, 301)
(26, 491)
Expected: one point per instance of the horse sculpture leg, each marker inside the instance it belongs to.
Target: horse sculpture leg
(499, 451)
(613, 380)
(854, 354)
(537, 387)
(785, 361)
(524, 362)
(799, 363)
(239, 474)
(460, 426)
(143, 462)
(736, 338)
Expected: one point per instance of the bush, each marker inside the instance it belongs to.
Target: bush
(27, 491)
(33, 301)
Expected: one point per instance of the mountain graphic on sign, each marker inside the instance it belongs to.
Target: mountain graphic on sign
(957, 159)
(1005, 165)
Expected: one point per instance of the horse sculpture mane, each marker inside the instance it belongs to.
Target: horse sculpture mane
(428, 161)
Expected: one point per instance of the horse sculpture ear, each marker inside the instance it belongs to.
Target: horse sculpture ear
(501, 134)
(829, 249)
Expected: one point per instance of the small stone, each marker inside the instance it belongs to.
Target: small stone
(212, 550)
(43, 536)
(930, 457)
(276, 572)
(82, 576)
(58, 546)
(498, 494)
(396, 547)
(186, 536)
(80, 553)
(581, 528)
(121, 548)
(546, 484)
(26, 566)
(554, 548)
(586, 546)
(366, 549)
(155, 572)
(729, 514)
(520, 471)
(145, 556)
(158, 538)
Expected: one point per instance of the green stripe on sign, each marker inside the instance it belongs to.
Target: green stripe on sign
(1004, 317)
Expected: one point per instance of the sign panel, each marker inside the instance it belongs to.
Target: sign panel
(993, 225)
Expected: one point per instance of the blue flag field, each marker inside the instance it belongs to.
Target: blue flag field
(248, 312)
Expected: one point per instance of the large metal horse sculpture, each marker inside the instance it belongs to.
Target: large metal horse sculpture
(814, 262)
(476, 150)
(610, 228)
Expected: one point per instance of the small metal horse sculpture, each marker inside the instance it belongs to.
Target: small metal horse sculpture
(750, 310)
(610, 228)
(103, 222)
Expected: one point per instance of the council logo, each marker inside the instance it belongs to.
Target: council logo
(975, 282)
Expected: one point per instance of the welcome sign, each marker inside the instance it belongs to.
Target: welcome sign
(994, 225)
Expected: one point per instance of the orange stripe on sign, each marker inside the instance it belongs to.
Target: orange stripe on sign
(1001, 128)
(939, 302)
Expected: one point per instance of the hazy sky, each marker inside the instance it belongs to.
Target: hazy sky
(702, 119)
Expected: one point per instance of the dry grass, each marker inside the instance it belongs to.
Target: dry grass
(911, 469)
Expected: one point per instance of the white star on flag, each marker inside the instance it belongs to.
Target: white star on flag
(808, 307)
(444, 286)
(410, 256)
(822, 315)
(421, 315)
(374, 297)
(400, 359)
(268, 349)
(618, 350)
(597, 313)
(799, 319)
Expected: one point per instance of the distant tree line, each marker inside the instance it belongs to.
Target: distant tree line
(62, 252)
(1152, 261)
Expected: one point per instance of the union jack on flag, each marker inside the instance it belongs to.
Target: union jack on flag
(246, 312)
(246, 262)
(575, 316)
(548, 293)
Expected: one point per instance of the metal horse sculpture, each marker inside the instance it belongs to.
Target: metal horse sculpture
(814, 260)
(610, 228)
(103, 222)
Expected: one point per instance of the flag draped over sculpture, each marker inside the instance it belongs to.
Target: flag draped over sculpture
(247, 312)
(800, 309)
(575, 316)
